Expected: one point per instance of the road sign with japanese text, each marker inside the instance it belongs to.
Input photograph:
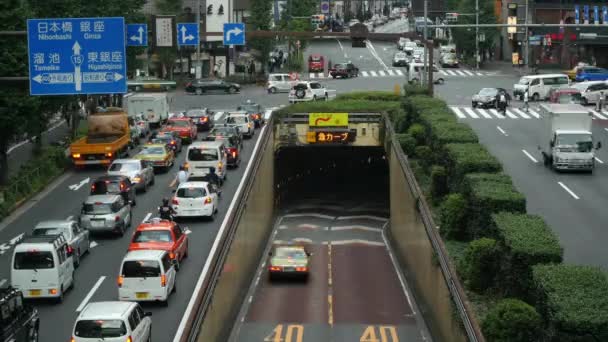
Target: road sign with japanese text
(77, 56)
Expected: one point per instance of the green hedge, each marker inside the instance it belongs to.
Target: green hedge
(407, 143)
(446, 132)
(479, 264)
(413, 90)
(461, 159)
(370, 96)
(527, 241)
(512, 320)
(573, 301)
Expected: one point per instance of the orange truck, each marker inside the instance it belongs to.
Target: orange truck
(107, 139)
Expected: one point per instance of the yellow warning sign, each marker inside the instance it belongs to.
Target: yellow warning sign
(311, 137)
(328, 119)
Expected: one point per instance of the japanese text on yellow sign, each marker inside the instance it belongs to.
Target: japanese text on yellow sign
(327, 119)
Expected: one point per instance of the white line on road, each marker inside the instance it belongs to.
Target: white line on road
(399, 72)
(451, 72)
(606, 129)
(310, 215)
(521, 113)
(381, 72)
(534, 113)
(147, 217)
(373, 73)
(502, 131)
(93, 244)
(321, 75)
(479, 74)
(364, 74)
(497, 114)
(483, 113)
(598, 160)
(312, 75)
(443, 72)
(342, 48)
(2, 282)
(369, 217)
(356, 227)
(529, 156)
(511, 115)
(458, 113)
(597, 115)
(69, 218)
(460, 73)
(354, 242)
(568, 190)
(390, 72)
(217, 116)
(86, 299)
(471, 113)
(468, 72)
(16, 239)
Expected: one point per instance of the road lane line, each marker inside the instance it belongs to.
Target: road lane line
(147, 217)
(373, 73)
(568, 190)
(356, 227)
(399, 72)
(311, 75)
(93, 244)
(471, 112)
(330, 313)
(606, 129)
(502, 131)
(390, 72)
(443, 72)
(521, 113)
(598, 160)
(397, 270)
(321, 75)
(534, 113)
(468, 72)
(217, 116)
(479, 74)
(330, 304)
(496, 113)
(17, 239)
(2, 282)
(364, 74)
(86, 299)
(484, 114)
(381, 73)
(597, 115)
(511, 115)
(460, 73)
(458, 113)
(310, 215)
(530, 156)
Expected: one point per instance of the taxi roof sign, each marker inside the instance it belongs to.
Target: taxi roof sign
(328, 119)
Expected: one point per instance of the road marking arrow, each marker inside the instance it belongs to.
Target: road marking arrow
(77, 186)
(139, 38)
(235, 31)
(16, 239)
(4, 247)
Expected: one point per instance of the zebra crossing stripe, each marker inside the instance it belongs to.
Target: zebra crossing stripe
(468, 72)
(471, 113)
(399, 72)
(312, 75)
(511, 115)
(521, 113)
(373, 73)
(458, 113)
(390, 72)
(479, 74)
(364, 74)
(451, 72)
(497, 114)
(381, 73)
(534, 113)
(321, 75)
(597, 115)
(460, 73)
(443, 72)
(484, 113)
(604, 113)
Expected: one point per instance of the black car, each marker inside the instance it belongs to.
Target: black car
(255, 111)
(119, 185)
(223, 131)
(171, 139)
(203, 118)
(19, 322)
(199, 87)
(344, 70)
(487, 97)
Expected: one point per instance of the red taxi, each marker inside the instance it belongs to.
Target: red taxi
(316, 63)
(163, 235)
(184, 126)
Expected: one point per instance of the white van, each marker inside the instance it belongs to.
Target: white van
(146, 275)
(153, 106)
(539, 86)
(415, 73)
(43, 267)
(205, 154)
(113, 322)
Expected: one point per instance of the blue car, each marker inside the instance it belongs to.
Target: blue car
(591, 74)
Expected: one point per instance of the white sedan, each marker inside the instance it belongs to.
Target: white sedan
(309, 91)
(193, 199)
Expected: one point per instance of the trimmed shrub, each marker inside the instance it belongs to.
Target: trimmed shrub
(407, 142)
(400, 124)
(453, 217)
(418, 132)
(447, 132)
(527, 241)
(479, 264)
(424, 154)
(370, 96)
(439, 182)
(512, 320)
(467, 158)
(573, 301)
(413, 90)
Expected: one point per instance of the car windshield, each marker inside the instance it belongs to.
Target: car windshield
(140, 269)
(104, 187)
(152, 236)
(250, 107)
(178, 123)
(97, 208)
(46, 231)
(524, 81)
(191, 192)
(202, 154)
(100, 328)
(195, 113)
(152, 150)
(574, 142)
(161, 140)
(295, 253)
(124, 167)
(236, 120)
(221, 131)
(488, 92)
(33, 260)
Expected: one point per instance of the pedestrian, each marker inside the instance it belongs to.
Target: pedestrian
(180, 178)
(526, 100)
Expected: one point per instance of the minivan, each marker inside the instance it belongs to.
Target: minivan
(415, 72)
(203, 155)
(147, 275)
(279, 83)
(113, 322)
(43, 267)
(538, 86)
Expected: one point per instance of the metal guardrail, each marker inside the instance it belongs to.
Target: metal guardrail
(465, 311)
(201, 299)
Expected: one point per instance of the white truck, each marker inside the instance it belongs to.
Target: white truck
(154, 107)
(568, 143)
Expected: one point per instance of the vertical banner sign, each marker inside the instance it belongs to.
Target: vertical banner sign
(586, 14)
(164, 32)
(577, 14)
(596, 15)
(605, 14)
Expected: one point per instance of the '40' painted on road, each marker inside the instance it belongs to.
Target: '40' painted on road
(295, 333)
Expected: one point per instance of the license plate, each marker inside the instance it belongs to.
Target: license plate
(34, 292)
(141, 295)
(97, 223)
(289, 269)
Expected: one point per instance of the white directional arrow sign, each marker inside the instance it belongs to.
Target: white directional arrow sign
(77, 60)
(140, 37)
(86, 77)
(77, 186)
(184, 37)
(235, 31)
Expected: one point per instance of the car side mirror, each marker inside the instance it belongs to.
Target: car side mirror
(599, 145)
(148, 314)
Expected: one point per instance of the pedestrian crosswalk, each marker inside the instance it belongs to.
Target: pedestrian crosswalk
(463, 73)
(511, 113)
(403, 73)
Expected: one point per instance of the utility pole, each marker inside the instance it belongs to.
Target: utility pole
(198, 67)
(527, 46)
(477, 34)
(424, 57)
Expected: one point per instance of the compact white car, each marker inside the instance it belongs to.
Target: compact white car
(308, 91)
(113, 322)
(195, 199)
(243, 122)
(77, 238)
(279, 83)
(147, 275)
(590, 90)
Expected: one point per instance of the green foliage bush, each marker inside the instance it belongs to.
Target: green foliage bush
(479, 264)
(467, 158)
(407, 142)
(413, 90)
(527, 241)
(453, 217)
(425, 156)
(573, 301)
(370, 96)
(419, 133)
(447, 132)
(512, 320)
(439, 182)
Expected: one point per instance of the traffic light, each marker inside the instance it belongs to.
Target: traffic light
(210, 9)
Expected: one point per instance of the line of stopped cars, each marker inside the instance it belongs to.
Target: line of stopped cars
(44, 262)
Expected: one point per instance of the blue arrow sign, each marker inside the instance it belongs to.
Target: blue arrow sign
(187, 34)
(577, 14)
(234, 34)
(137, 35)
(70, 56)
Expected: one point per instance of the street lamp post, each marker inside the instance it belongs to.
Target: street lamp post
(477, 34)
(424, 57)
(198, 68)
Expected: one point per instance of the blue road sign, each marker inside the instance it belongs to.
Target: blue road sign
(234, 34)
(577, 14)
(605, 14)
(325, 6)
(137, 34)
(77, 56)
(187, 34)
(586, 13)
(596, 15)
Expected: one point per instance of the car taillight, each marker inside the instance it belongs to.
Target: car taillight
(207, 200)
(70, 249)
(163, 280)
(301, 269)
(109, 154)
(172, 142)
(204, 119)
(92, 187)
(72, 339)
(275, 268)
(233, 154)
(129, 339)
(117, 218)
(220, 165)
(172, 255)
(76, 155)
(120, 281)
(174, 201)
(53, 291)
(189, 84)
